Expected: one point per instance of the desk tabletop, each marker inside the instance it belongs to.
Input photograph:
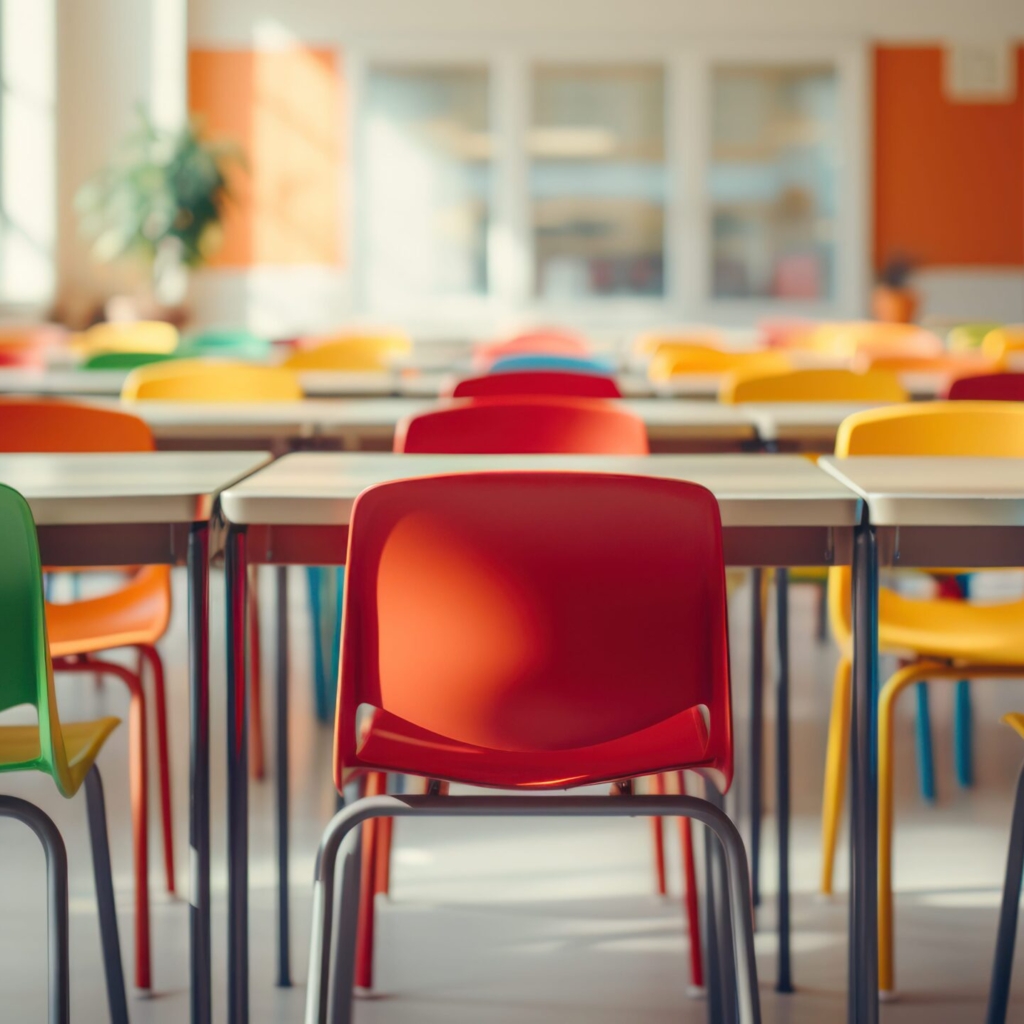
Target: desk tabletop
(934, 490)
(121, 488)
(318, 488)
(801, 421)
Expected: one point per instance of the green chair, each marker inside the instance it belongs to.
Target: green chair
(124, 360)
(66, 753)
(232, 343)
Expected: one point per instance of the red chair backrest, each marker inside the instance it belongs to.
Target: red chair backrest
(536, 612)
(524, 426)
(46, 425)
(537, 382)
(988, 387)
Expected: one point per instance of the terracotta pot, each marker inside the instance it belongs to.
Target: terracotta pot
(894, 305)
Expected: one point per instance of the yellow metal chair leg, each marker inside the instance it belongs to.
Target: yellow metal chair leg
(835, 771)
(899, 681)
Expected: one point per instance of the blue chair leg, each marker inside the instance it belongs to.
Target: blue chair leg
(339, 598)
(313, 578)
(925, 758)
(962, 735)
(963, 748)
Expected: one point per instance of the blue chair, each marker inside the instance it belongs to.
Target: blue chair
(570, 364)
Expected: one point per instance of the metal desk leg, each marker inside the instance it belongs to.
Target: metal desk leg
(756, 731)
(782, 813)
(281, 774)
(199, 771)
(238, 779)
(863, 982)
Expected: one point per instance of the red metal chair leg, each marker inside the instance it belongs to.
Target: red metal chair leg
(690, 895)
(658, 835)
(150, 655)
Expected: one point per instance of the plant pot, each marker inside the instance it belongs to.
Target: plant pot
(894, 305)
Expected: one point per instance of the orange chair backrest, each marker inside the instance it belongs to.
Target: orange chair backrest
(524, 425)
(950, 364)
(812, 386)
(674, 359)
(552, 341)
(45, 425)
(535, 612)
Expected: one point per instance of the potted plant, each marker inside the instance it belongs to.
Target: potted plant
(893, 300)
(160, 200)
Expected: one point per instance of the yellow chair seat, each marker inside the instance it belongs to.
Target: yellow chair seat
(940, 628)
(1016, 722)
(20, 746)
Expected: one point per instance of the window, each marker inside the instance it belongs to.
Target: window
(597, 180)
(427, 182)
(772, 181)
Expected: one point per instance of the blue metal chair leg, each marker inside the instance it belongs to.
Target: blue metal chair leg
(1002, 967)
(313, 578)
(339, 598)
(925, 755)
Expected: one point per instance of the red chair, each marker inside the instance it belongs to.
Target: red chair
(536, 382)
(988, 387)
(524, 425)
(529, 631)
(537, 425)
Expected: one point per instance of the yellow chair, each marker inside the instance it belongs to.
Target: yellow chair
(200, 380)
(675, 359)
(949, 639)
(811, 386)
(356, 352)
(998, 344)
(848, 339)
(648, 343)
(128, 336)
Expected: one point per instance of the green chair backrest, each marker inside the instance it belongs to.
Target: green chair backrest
(124, 360)
(26, 673)
(234, 342)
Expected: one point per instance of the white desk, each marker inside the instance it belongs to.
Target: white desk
(138, 509)
(776, 510)
(808, 423)
(922, 511)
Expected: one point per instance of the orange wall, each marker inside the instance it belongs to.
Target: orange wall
(949, 177)
(284, 108)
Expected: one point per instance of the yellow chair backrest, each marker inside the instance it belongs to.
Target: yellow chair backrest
(673, 359)
(811, 386)
(648, 343)
(992, 429)
(129, 336)
(200, 380)
(847, 339)
(997, 344)
(355, 352)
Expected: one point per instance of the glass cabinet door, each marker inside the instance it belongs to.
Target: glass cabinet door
(772, 181)
(597, 180)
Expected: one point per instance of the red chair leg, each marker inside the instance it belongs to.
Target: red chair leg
(257, 764)
(150, 655)
(375, 786)
(139, 789)
(383, 878)
(692, 906)
(658, 835)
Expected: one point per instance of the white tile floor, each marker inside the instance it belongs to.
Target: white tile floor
(531, 921)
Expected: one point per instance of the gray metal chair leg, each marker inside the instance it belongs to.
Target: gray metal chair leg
(724, 944)
(338, 836)
(712, 946)
(97, 811)
(1002, 967)
(57, 900)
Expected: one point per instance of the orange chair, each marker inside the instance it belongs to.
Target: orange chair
(135, 615)
(551, 341)
(950, 365)
(673, 359)
(521, 425)
(529, 631)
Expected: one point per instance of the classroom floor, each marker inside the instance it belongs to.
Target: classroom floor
(532, 921)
